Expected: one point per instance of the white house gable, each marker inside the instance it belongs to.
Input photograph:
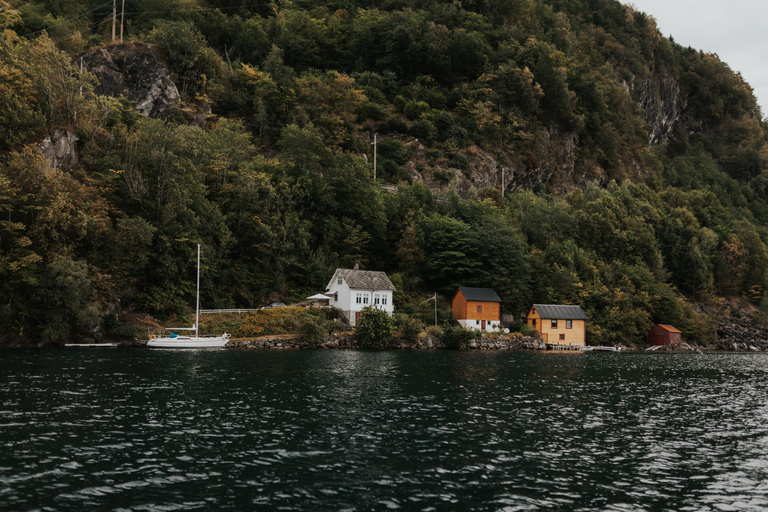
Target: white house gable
(352, 290)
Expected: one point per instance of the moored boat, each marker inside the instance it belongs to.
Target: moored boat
(176, 341)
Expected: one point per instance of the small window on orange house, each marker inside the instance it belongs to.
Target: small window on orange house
(554, 324)
(479, 309)
(562, 337)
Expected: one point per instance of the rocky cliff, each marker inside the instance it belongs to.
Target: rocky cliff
(134, 71)
(659, 96)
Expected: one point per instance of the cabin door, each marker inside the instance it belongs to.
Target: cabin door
(482, 325)
(357, 317)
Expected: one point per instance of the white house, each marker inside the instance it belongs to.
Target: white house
(352, 290)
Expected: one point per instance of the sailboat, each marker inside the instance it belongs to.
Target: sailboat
(180, 341)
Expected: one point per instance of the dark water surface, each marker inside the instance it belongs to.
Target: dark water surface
(353, 430)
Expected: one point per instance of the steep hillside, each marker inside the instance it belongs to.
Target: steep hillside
(559, 151)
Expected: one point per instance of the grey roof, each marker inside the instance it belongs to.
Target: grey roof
(365, 279)
(481, 294)
(557, 312)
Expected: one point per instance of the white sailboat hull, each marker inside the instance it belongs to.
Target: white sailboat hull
(189, 342)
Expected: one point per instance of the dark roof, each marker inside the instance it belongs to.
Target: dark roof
(481, 294)
(556, 312)
(365, 279)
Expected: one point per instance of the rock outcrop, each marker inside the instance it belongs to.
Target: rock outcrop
(61, 149)
(660, 97)
(133, 70)
(742, 334)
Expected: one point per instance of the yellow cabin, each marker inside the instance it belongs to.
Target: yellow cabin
(559, 325)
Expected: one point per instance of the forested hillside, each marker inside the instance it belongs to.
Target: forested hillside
(559, 151)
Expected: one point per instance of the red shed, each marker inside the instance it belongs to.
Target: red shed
(664, 335)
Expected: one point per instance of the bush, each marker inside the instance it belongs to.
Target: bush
(422, 129)
(310, 331)
(520, 327)
(457, 337)
(375, 327)
(434, 331)
(332, 326)
(414, 109)
(459, 161)
(408, 327)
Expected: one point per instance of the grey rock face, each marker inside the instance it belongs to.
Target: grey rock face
(61, 149)
(659, 95)
(133, 71)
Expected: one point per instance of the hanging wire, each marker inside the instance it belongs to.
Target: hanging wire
(197, 9)
(67, 21)
(79, 32)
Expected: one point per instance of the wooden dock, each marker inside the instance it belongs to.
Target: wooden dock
(90, 345)
(582, 348)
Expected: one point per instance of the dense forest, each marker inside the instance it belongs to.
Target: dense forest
(559, 151)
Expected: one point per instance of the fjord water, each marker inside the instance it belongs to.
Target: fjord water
(357, 430)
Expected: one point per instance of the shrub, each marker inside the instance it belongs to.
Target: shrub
(332, 326)
(408, 327)
(374, 328)
(310, 331)
(459, 161)
(393, 124)
(434, 331)
(457, 337)
(524, 329)
(422, 129)
(414, 109)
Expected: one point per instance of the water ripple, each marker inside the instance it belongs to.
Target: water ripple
(359, 431)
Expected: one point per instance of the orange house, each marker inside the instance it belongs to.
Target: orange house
(559, 325)
(477, 308)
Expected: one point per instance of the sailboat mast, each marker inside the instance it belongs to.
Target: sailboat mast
(197, 304)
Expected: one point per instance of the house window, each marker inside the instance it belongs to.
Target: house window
(384, 299)
(359, 298)
(569, 324)
(562, 337)
(376, 298)
(365, 299)
(339, 280)
(477, 322)
(479, 309)
(533, 323)
(554, 324)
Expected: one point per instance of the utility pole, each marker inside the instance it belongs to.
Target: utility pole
(374, 156)
(502, 181)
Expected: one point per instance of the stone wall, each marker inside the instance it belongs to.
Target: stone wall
(284, 342)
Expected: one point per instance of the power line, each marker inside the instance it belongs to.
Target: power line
(67, 21)
(88, 28)
(198, 9)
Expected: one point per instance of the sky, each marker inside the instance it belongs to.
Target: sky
(733, 29)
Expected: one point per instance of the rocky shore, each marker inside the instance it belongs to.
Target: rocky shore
(284, 342)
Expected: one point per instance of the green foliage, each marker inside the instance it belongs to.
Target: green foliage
(374, 327)
(311, 331)
(189, 55)
(66, 298)
(408, 327)
(455, 337)
(268, 163)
